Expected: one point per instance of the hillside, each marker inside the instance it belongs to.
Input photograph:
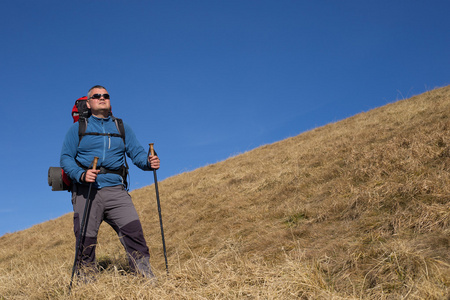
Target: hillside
(357, 209)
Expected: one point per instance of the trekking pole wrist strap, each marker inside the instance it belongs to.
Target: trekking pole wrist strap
(83, 177)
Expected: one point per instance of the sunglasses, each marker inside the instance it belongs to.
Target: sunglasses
(98, 96)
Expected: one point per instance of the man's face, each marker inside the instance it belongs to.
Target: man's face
(101, 104)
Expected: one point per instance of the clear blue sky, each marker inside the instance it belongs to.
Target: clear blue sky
(203, 80)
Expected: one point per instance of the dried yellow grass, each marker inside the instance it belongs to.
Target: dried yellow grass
(357, 209)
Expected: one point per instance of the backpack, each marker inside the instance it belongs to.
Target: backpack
(57, 178)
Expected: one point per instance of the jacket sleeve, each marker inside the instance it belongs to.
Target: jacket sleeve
(69, 153)
(134, 149)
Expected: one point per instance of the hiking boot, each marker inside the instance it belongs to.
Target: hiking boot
(143, 267)
(86, 276)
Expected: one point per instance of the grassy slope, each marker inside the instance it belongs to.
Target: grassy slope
(355, 209)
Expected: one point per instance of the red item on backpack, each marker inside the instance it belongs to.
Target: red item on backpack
(75, 112)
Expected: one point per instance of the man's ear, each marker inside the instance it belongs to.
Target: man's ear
(87, 104)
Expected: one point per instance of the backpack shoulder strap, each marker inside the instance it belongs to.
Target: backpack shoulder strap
(120, 128)
(82, 125)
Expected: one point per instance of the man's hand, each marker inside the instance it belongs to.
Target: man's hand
(153, 160)
(90, 175)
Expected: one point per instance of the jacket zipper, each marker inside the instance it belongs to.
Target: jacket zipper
(104, 140)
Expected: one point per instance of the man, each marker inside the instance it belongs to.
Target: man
(110, 200)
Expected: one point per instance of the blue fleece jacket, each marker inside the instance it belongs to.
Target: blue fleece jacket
(110, 151)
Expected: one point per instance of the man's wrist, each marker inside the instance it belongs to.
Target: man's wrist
(83, 177)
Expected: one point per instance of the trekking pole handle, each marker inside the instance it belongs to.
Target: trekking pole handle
(94, 163)
(152, 151)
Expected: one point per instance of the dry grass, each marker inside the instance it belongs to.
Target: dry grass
(358, 209)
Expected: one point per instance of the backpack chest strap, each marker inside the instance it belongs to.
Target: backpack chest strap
(104, 134)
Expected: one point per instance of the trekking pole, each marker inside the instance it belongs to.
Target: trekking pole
(82, 235)
(152, 152)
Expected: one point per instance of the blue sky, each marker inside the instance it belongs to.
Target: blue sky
(202, 79)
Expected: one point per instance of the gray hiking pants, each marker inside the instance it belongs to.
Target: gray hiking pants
(114, 206)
